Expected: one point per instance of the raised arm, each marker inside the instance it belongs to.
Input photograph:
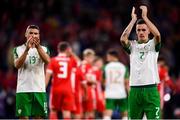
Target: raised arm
(150, 25)
(124, 37)
(76, 57)
(20, 61)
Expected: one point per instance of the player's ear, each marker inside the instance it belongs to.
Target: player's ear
(26, 34)
(69, 49)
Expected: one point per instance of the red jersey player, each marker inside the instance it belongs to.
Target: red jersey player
(100, 100)
(89, 94)
(77, 77)
(165, 79)
(60, 68)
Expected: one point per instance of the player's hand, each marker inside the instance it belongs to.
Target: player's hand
(144, 11)
(133, 15)
(36, 42)
(29, 43)
(70, 52)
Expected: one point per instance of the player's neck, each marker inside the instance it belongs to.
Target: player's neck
(114, 60)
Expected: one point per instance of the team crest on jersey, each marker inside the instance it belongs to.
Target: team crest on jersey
(19, 111)
(144, 47)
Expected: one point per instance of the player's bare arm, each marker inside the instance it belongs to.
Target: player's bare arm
(44, 56)
(20, 61)
(124, 37)
(126, 83)
(71, 53)
(47, 77)
(150, 25)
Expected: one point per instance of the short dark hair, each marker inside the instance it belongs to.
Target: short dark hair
(162, 58)
(62, 46)
(32, 27)
(140, 21)
(113, 52)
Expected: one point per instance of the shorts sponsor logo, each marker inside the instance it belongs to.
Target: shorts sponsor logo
(19, 111)
(45, 107)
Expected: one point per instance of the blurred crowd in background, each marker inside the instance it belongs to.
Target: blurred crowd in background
(95, 24)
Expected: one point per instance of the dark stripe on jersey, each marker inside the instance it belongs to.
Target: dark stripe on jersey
(157, 47)
(15, 53)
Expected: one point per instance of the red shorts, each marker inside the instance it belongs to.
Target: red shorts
(90, 103)
(78, 103)
(62, 99)
(100, 102)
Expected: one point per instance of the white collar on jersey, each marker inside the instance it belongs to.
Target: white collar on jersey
(62, 54)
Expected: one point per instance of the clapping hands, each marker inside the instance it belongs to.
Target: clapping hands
(133, 15)
(144, 10)
(32, 42)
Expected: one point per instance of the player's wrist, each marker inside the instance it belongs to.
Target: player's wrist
(25, 52)
(144, 17)
(27, 49)
(38, 46)
(133, 20)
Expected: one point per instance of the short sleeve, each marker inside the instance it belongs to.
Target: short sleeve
(157, 47)
(127, 48)
(15, 54)
(46, 50)
(126, 73)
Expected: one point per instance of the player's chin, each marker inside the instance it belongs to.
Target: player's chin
(31, 46)
(142, 40)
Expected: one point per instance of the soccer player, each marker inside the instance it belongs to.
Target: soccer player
(89, 103)
(165, 80)
(29, 59)
(143, 95)
(77, 79)
(100, 100)
(116, 85)
(61, 94)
